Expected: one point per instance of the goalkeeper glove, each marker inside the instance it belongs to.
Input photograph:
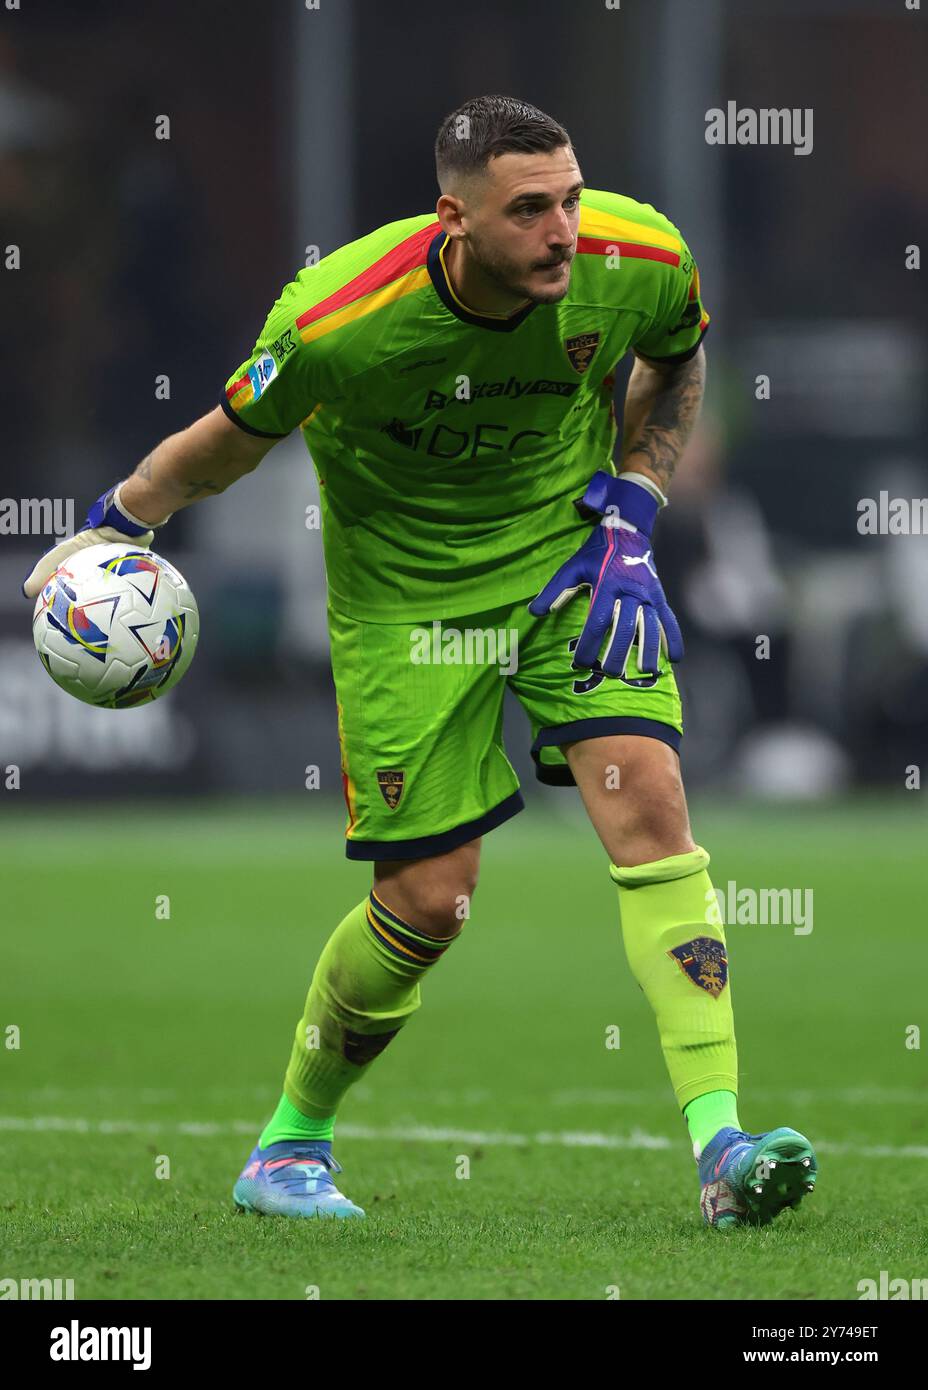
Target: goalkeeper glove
(108, 523)
(627, 603)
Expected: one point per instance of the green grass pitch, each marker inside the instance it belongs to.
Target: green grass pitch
(143, 1037)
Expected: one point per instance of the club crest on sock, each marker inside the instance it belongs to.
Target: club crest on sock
(704, 961)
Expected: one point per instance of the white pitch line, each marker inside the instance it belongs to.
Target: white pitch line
(423, 1134)
(117, 1097)
(844, 1095)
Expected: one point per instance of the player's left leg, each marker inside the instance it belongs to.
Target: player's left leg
(675, 943)
(633, 793)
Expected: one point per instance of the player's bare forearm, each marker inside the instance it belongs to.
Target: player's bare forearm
(200, 461)
(661, 407)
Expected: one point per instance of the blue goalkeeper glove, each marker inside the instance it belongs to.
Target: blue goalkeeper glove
(108, 523)
(627, 603)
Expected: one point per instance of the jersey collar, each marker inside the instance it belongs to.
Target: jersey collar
(498, 323)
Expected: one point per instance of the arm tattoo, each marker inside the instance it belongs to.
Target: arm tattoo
(144, 469)
(196, 486)
(659, 439)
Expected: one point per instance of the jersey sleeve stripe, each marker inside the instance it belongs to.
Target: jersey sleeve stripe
(408, 256)
(238, 389)
(594, 223)
(602, 246)
(407, 284)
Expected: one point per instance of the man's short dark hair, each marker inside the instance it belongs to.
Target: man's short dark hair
(486, 126)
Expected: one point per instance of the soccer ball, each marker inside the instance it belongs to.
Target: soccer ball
(116, 626)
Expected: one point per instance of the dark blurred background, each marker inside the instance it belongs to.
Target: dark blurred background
(146, 258)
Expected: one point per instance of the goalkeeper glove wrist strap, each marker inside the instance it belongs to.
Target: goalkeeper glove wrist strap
(623, 499)
(648, 483)
(108, 510)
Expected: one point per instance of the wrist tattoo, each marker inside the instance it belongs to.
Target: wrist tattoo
(196, 486)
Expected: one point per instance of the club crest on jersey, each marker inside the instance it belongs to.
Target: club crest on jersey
(704, 961)
(580, 350)
(391, 783)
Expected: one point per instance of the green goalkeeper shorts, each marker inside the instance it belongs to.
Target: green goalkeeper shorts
(420, 720)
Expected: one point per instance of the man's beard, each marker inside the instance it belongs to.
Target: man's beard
(507, 276)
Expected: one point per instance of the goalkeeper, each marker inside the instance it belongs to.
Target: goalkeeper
(452, 375)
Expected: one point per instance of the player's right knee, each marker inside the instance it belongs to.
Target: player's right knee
(438, 907)
(433, 895)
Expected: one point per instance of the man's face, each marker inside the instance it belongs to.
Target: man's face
(521, 228)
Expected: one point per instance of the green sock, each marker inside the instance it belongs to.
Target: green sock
(289, 1123)
(364, 989)
(675, 945)
(707, 1114)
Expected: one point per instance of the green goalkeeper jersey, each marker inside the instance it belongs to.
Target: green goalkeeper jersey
(450, 445)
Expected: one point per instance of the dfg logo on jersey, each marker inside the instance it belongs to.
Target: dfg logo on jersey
(262, 373)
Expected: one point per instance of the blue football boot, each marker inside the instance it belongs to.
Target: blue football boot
(747, 1179)
(293, 1178)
